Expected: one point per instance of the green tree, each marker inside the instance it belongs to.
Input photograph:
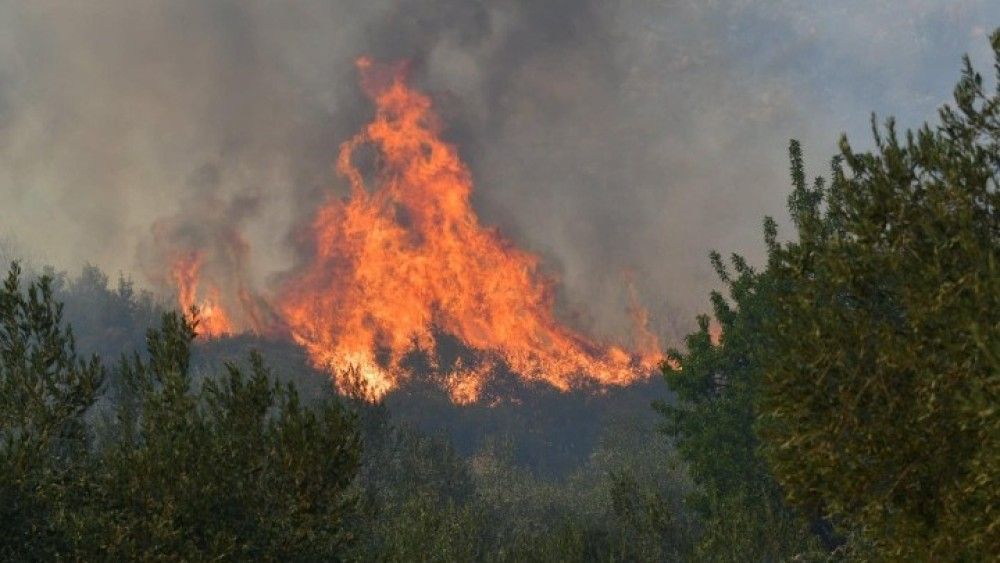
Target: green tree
(879, 401)
(716, 380)
(236, 469)
(45, 391)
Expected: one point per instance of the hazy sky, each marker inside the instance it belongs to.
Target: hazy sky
(606, 136)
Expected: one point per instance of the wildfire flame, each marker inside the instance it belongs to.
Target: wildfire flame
(407, 255)
(212, 320)
(405, 259)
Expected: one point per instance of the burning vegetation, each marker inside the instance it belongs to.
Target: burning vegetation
(213, 322)
(405, 258)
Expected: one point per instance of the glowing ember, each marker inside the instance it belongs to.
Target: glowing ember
(407, 256)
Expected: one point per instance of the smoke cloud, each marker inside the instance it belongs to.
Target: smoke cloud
(614, 138)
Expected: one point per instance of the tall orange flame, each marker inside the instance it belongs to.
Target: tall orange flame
(212, 320)
(409, 256)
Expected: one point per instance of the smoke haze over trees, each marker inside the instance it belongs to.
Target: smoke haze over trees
(607, 136)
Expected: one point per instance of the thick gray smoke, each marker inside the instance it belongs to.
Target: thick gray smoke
(608, 136)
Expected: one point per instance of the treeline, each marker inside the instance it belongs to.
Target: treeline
(147, 459)
(841, 403)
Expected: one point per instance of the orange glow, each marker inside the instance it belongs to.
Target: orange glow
(714, 333)
(212, 320)
(406, 256)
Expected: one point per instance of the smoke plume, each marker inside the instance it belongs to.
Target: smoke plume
(617, 139)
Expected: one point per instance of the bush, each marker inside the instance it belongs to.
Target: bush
(236, 469)
(879, 402)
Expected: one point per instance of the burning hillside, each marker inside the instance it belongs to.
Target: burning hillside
(405, 257)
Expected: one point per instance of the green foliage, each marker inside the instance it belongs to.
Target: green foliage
(45, 390)
(715, 385)
(624, 505)
(415, 495)
(753, 525)
(881, 384)
(743, 515)
(421, 501)
(647, 525)
(237, 469)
